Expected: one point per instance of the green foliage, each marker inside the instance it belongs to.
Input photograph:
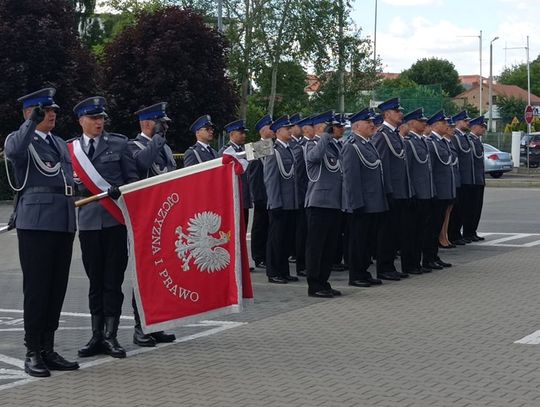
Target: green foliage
(435, 71)
(431, 97)
(510, 107)
(517, 75)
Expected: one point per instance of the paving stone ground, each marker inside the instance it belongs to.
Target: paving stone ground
(441, 339)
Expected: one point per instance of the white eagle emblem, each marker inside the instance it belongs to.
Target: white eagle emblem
(199, 244)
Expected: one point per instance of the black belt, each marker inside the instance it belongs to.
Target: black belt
(67, 190)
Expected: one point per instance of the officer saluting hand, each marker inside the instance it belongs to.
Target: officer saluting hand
(45, 222)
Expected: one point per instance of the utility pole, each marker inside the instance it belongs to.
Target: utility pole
(375, 39)
(220, 15)
(491, 82)
(480, 78)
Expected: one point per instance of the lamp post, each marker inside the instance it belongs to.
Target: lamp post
(481, 80)
(375, 39)
(491, 82)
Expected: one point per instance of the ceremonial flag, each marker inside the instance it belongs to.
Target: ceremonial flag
(187, 245)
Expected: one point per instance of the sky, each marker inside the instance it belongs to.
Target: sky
(408, 30)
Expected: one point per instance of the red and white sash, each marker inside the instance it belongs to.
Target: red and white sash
(92, 179)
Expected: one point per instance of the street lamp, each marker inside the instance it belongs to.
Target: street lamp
(491, 81)
(481, 80)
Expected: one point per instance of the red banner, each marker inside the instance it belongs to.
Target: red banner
(187, 243)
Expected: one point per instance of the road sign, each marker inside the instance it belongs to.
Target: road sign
(529, 114)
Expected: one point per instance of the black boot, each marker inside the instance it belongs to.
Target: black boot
(94, 346)
(162, 337)
(34, 365)
(110, 343)
(52, 359)
(139, 337)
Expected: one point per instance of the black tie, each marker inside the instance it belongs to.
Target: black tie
(91, 149)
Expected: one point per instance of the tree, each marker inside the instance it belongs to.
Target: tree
(435, 71)
(169, 55)
(510, 107)
(40, 47)
(517, 75)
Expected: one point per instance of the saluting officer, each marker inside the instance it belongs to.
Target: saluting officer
(323, 205)
(259, 227)
(474, 211)
(462, 145)
(280, 182)
(365, 197)
(153, 157)
(201, 151)
(103, 237)
(392, 233)
(45, 222)
(445, 188)
(419, 161)
(237, 138)
(308, 131)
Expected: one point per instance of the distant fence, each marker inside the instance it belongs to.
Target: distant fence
(502, 141)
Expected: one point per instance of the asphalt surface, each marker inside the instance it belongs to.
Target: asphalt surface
(465, 336)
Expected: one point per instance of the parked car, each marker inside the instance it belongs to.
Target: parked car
(496, 162)
(530, 143)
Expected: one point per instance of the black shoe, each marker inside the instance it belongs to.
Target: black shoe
(291, 278)
(110, 344)
(480, 238)
(392, 276)
(402, 274)
(359, 283)
(373, 281)
(459, 242)
(414, 271)
(321, 294)
(468, 239)
(93, 347)
(277, 280)
(34, 365)
(142, 339)
(425, 270)
(55, 361)
(432, 265)
(443, 264)
(301, 273)
(251, 269)
(292, 259)
(338, 267)
(260, 264)
(162, 337)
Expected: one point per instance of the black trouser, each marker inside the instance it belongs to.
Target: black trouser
(362, 228)
(45, 258)
(279, 238)
(416, 224)
(431, 241)
(342, 246)
(259, 231)
(105, 257)
(300, 239)
(456, 216)
(322, 233)
(392, 235)
(474, 212)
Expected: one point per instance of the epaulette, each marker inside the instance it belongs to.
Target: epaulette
(350, 140)
(121, 136)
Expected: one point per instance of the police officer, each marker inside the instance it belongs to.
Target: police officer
(365, 198)
(474, 211)
(103, 237)
(445, 188)
(392, 233)
(259, 227)
(45, 222)
(308, 131)
(201, 151)
(300, 227)
(280, 183)
(419, 162)
(462, 145)
(237, 138)
(323, 205)
(444, 243)
(153, 157)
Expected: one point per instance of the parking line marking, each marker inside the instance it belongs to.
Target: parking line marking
(505, 239)
(532, 339)
(8, 360)
(65, 314)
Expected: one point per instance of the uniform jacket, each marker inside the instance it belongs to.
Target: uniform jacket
(300, 169)
(462, 143)
(363, 179)
(325, 178)
(279, 178)
(246, 196)
(443, 175)
(197, 154)
(420, 166)
(478, 155)
(391, 149)
(154, 158)
(41, 210)
(114, 162)
(455, 163)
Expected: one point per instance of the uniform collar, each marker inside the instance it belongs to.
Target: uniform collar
(416, 134)
(145, 136)
(42, 134)
(87, 140)
(437, 135)
(282, 143)
(207, 146)
(389, 126)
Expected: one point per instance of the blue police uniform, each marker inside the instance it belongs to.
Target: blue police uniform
(259, 227)
(103, 239)
(323, 207)
(392, 233)
(364, 200)
(45, 220)
(200, 152)
(152, 157)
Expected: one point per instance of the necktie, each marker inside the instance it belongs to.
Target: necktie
(91, 149)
